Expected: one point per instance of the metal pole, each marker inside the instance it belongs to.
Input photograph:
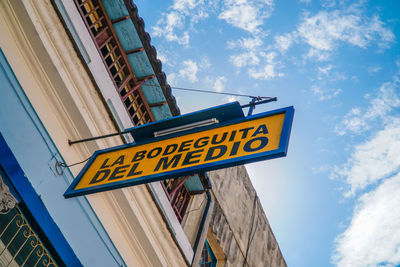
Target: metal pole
(71, 142)
(251, 105)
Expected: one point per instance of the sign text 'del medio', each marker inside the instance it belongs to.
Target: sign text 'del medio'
(247, 141)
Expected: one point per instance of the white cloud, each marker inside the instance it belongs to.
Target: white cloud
(244, 59)
(373, 236)
(332, 3)
(200, 15)
(205, 63)
(386, 100)
(386, 35)
(219, 84)
(179, 22)
(374, 69)
(266, 73)
(246, 43)
(269, 70)
(325, 94)
(176, 24)
(162, 57)
(246, 15)
(167, 57)
(167, 26)
(171, 78)
(321, 169)
(263, 64)
(319, 55)
(353, 121)
(230, 99)
(189, 71)
(325, 70)
(373, 160)
(184, 5)
(327, 73)
(283, 42)
(378, 157)
(325, 30)
(251, 55)
(216, 83)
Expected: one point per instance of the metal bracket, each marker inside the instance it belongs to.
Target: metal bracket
(257, 101)
(252, 105)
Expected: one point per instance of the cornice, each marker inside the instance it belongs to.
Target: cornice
(152, 55)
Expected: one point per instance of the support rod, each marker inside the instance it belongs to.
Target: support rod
(252, 106)
(71, 142)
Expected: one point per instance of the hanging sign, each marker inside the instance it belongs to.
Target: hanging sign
(244, 140)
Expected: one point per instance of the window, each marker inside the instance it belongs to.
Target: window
(178, 195)
(20, 245)
(207, 258)
(28, 234)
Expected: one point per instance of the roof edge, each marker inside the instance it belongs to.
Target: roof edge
(151, 53)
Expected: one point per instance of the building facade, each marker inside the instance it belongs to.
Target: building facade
(241, 235)
(76, 69)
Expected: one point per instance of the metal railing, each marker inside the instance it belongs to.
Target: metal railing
(19, 244)
(178, 195)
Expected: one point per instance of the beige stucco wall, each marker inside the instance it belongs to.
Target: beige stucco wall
(231, 221)
(64, 97)
(191, 221)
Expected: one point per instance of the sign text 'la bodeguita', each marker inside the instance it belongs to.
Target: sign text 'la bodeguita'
(185, 153)
(228, 145)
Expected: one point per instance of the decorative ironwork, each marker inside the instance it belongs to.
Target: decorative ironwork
(19, 244)
(7, 200)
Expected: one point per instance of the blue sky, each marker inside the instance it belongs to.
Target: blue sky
(334, 200)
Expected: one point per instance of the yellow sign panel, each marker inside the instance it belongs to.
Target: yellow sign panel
(218, 144)
(255, 138)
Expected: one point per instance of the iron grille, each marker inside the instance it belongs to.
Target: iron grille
(19, 244)
(178, 195)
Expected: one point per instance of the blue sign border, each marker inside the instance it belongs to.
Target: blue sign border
(280, 152)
